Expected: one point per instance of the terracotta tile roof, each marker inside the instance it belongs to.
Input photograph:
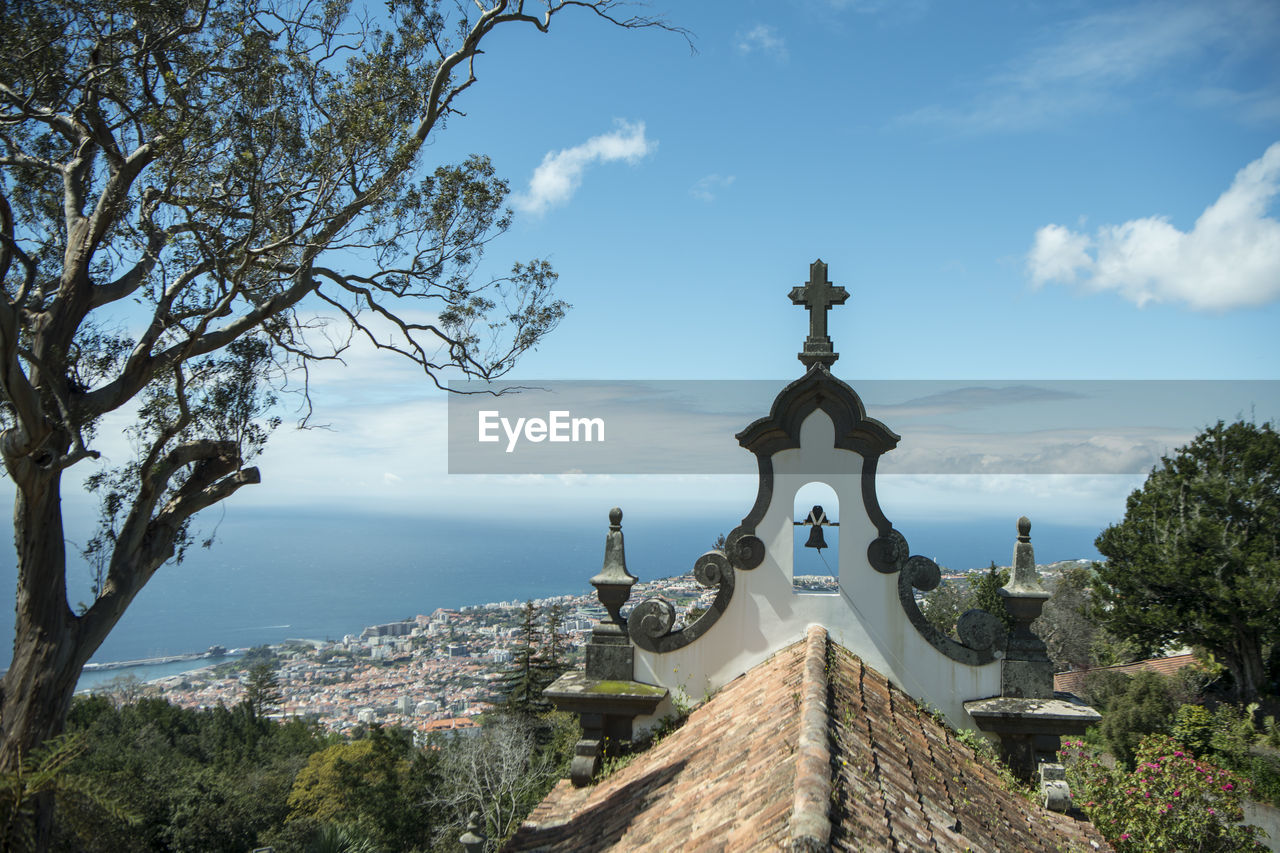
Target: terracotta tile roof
(811, 750)
(1073, 682)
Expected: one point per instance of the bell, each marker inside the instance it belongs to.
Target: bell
(815, 538)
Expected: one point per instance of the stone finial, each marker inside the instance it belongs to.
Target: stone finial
(818, 295)
(613, 583)
(473, 840)
(1026, 671)
(1024, 580)
(609, 654)
(604, 694)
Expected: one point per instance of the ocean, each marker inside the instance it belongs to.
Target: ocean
(280, 574)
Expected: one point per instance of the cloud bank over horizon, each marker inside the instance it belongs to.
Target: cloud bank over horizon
(1229, 259)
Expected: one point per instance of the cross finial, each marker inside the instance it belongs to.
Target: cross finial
(818, 295)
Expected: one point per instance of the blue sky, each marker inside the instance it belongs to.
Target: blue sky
(1009, 191)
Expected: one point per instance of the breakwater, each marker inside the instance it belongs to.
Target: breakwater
(212, 652)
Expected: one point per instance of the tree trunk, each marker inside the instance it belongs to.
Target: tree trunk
(37, 689)
(1243, 660)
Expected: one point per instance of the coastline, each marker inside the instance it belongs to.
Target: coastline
(146, 673)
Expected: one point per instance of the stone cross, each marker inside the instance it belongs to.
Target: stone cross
(818, 295)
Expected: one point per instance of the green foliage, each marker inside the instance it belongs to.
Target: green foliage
(1235, 742)
(986, 592)
(539, 660)
(1169, 801)
(1193, 727)
(985, 752)
(1264, 771)
(1101, 687)
(262, 691)
(199, 198)
(1196, 560)
(196, 781)
(1233, 732)
(1073, 636)
(948, 601)
(1144, 707)
(341, 839)
(379, 787)
(48, 772)
(1272, 730)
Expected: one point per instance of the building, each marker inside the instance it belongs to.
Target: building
(829, 718)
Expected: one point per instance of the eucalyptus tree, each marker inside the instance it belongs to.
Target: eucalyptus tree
(185, 186)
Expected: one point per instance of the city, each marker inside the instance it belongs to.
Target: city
(428, 674)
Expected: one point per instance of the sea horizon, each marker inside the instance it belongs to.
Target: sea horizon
(279, 574)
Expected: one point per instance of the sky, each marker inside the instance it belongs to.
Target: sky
(1012, 192)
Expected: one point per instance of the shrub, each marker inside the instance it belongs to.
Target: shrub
(1233, 733)
(1193, 727)
(1169, 801)
(1144, 708)
(1264, 772)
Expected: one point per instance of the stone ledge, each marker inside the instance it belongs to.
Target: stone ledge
(1063, 714)
(574, 689)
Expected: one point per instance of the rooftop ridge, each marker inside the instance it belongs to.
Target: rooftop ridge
(810, 818)
(812, 750)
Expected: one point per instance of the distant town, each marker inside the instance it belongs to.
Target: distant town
(431, 673)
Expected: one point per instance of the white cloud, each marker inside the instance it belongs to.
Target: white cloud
(560, 173)
(706, 188)
(1104, 59)
(1229, 259)
(1057, 254)
(764, 39)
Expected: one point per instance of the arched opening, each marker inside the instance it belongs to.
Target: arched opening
(815, 545)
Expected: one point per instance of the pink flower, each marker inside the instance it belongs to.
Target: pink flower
(1177, 793)
(1228, 787)
(1124, 836)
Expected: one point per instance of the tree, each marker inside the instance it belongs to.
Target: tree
(380, 785)
(500, 773)
(1065, 625)
(1141, 707)
(208, 780)
(1196, 560)
(986, 592)
(186, 186)
(946, 603)
(262, 690)
(536, 665)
